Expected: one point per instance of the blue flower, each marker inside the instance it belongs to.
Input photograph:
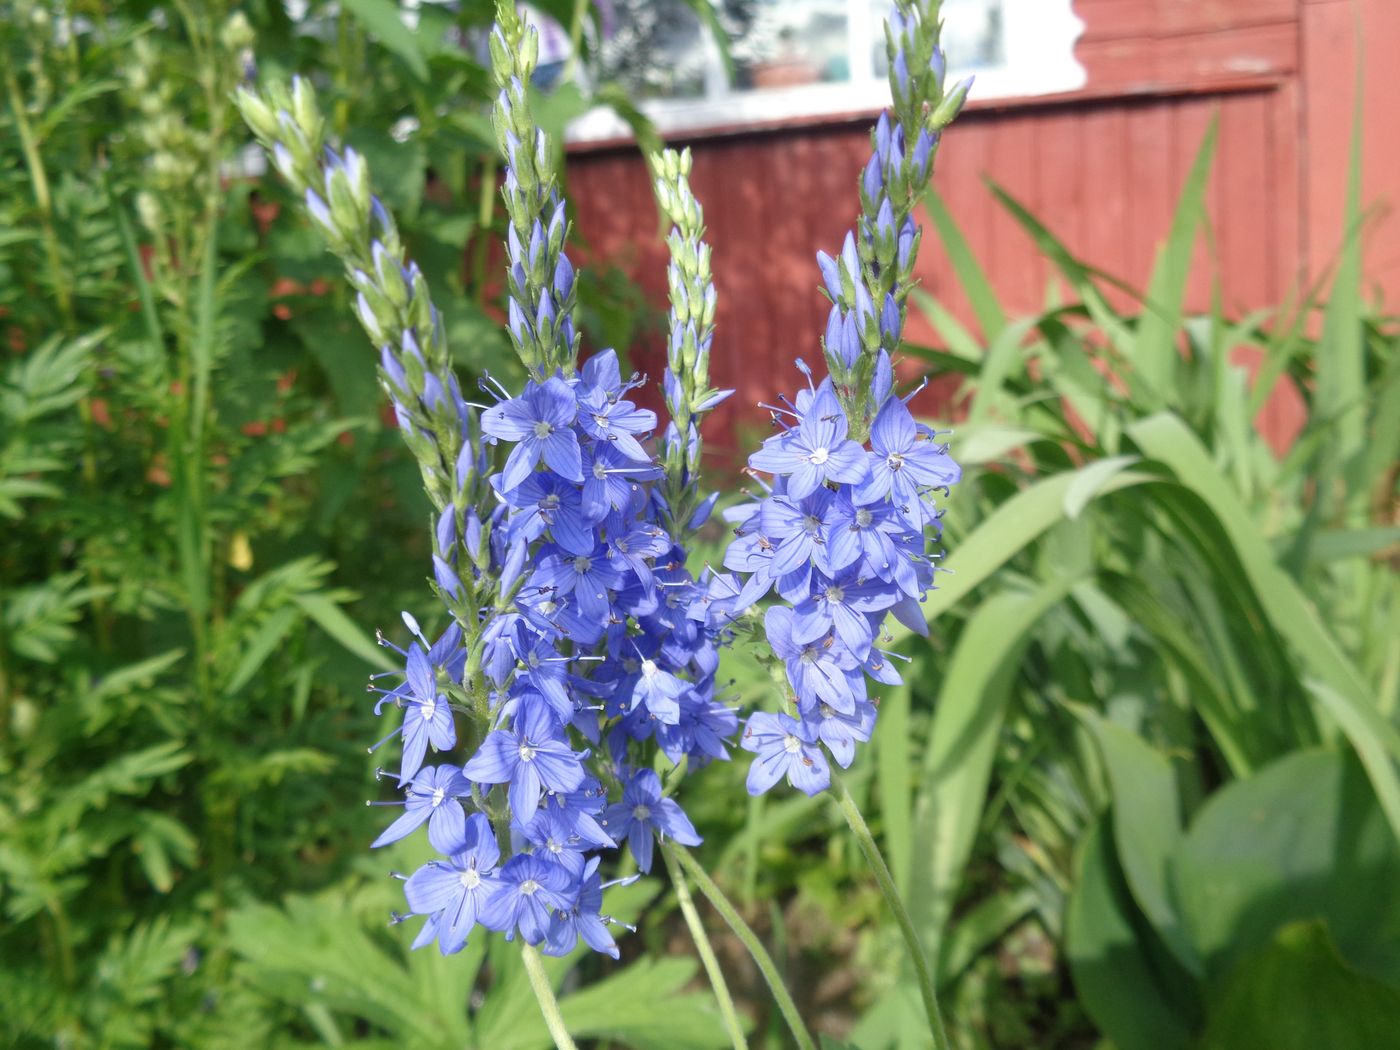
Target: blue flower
(454, 893)
(784, 747)
(587, 577)
(540, 422)
(532, 756)
(427, 715)
(582, 918)
(903, 460)
(527, 887)
(821, 671)
(643, 812)
(432, 798)
(617, 422)
(814, 452)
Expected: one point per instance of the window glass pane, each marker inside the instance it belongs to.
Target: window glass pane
(974, 35)
(654, 48)
(785, 43)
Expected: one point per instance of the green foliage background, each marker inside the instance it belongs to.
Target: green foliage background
(1141, 786)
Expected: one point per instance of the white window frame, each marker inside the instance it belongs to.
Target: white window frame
(1038, 45)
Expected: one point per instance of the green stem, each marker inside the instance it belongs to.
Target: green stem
(707, 953)
(745, 933)
(851, 812)
(544, 994)
(43, 200)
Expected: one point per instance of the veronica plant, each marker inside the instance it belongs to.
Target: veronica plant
(580, 647)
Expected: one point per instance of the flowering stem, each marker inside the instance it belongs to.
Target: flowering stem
(745, 933)
(707, 953)
(544, 995)
(852, 813)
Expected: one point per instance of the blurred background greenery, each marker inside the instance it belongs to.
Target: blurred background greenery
(1141, 785)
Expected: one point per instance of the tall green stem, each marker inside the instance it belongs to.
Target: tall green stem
(544, 995)
(852, 813)
(707, 953)
(745, 933)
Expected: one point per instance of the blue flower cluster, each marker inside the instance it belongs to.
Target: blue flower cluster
(844, 532)
(582, 645)
(593, 629)
(842, 536)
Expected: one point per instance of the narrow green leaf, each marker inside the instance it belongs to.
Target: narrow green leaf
(1092, 478)
(332, 619)
(1157, 356)
(1014, 525)
(138, 674)
(962, 744)
(1165, 438)
(261, 645)
(1339, 404)
(985, 305)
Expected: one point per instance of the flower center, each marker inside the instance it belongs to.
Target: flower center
(641, 812)
(529, 887)
(599, 471)
(550, 502)
(835, 594)
(819, 456)
(811, 524)
(470, 879)
(895, 460)
(543, 429)
(429, 709)
(527, 753)
(864, 518)
(648, 668)
(621, 546)
(810, 656)
(791, 744)
(439, 796)
(582, 564)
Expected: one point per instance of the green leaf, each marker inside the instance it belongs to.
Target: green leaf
(257, 649)
(985, 306)
(1166, 439)
(1156, 355)
(1340, 402)
(1014, 525)
(383, 19)
(1146, 825)
(1297, 994)
(1091, 479)
(1119, 982)
(141, 673)
(962, 743)
(1302, 839)
(645, 1005)
(332, 619)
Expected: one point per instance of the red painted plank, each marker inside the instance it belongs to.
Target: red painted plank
(1059, 169)
(1107, 188)
(1190, 121)
(1013, 256)
(1246, 179)
(1150, 185)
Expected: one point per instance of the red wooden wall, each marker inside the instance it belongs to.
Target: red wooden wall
(1102, 167)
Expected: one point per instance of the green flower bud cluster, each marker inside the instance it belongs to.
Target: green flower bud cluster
(393, 304)
(543, 295)
(692, 325)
